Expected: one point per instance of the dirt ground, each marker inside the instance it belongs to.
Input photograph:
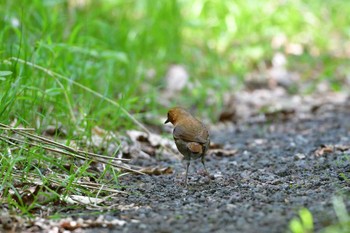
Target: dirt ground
(276, 167)
(263, 170)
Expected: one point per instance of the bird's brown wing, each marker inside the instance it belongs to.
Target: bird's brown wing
(195, 147)
(197, 133)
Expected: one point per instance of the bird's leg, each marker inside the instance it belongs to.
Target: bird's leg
(187, 166)
(206, 171)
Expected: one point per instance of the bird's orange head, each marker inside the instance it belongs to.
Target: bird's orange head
(176, 114)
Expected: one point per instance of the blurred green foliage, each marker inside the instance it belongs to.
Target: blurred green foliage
(123, 48)
(303, 224)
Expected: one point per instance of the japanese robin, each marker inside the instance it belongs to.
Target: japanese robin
(190, 135)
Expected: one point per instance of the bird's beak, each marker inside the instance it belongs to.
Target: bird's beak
(167, 121)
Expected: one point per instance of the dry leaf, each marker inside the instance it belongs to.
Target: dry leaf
(282, 114)
(154, 140)
(82, 200)
(145, 145)
(214, 145)
(10, 223)
(157, 170)
(176, 78)
(104, 140)
(55, 130)
(325, 149)
(131, 206)
(229, 111)
(79, 4)
(70, 224)
(294, 48)
(299, 156)
(35, 193)
(342, 148)
(26, 196)
(223, 152)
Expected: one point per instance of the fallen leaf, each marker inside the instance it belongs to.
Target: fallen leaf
(147, 144)
(294, 48)
(223, 152)
(82, 200)
(70, 224)
(176, 78)
(229, 112)
(154, 140)
(10, 223)
(55, 130)
(157, 170)
(325, 149)
(342, 148)
(27, 196)
(282, 114)
(104, 140)
(299, 156)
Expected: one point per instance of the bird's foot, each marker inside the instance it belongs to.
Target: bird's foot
(203, 172)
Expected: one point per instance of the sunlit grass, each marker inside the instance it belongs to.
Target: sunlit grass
(110, 46)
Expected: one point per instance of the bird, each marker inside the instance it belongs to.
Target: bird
(191, 136)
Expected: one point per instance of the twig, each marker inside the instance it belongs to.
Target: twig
(70, 149)
(21, 129)
(57, 182)
(113, 164)
(66, 150)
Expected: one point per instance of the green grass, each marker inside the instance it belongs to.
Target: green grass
(110, 47)
(304, 222)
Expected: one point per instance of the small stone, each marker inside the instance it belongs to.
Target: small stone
(299, 156)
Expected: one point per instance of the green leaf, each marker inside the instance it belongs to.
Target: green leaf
(53, 91)
(295, 226)
(4, 73)
(306, 218)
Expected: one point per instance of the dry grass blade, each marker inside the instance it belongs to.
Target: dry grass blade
(53, 146)
(56, 144)
(22, 129)
(58, 182)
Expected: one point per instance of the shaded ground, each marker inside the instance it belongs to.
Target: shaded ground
(274, 173)
(264, 169)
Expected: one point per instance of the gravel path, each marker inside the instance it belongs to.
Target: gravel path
(260, 188)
